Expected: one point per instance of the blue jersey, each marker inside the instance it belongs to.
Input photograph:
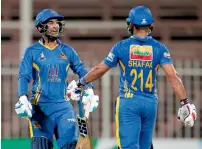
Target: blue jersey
(48, 68)
(139, 59)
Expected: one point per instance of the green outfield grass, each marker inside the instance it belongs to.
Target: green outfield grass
(23, 143)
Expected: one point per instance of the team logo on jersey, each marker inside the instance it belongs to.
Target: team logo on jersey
(36, 125)
(143, 53)
(42, 58)
(63, 56)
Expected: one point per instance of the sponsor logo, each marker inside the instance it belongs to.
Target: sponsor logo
(143, 53)
(53, 72)
(167, 55)
(110, 57)
(71, 120)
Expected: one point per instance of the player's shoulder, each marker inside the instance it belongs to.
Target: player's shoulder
(157, 43)
(33, 47)
(67, 48)
(128, 41)
(122, 43)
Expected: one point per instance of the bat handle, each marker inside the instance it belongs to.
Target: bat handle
(80, 106)
(87, 111)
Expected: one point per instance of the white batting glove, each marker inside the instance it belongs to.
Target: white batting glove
(23, 107)
(73, 91)
(187, 113)
(90, 100)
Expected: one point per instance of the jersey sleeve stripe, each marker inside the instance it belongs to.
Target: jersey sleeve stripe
(123, 67)
(36, 66)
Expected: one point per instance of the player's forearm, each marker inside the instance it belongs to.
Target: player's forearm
(81, 70)
(22, 86)
(96, 72)
(177, 86)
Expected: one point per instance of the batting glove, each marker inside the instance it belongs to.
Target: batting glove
(23, 107)
(187, 113)
(90, 100)
(73, 91)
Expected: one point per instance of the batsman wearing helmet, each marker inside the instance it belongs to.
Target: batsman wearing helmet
(139, 57)
(47, 63)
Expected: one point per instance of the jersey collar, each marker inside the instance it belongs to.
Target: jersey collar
(141, 39)
(41, 42)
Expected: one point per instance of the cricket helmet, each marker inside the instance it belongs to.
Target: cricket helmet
(45, 15)
(140, 16)
(42, 19)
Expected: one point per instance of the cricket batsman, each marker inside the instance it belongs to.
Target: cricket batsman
(139, 58)
(46, 63)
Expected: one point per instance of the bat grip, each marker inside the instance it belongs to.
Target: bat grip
(80, 106)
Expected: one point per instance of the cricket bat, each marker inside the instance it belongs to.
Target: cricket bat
(85, 138)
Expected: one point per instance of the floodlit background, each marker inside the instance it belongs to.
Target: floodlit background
(92, 27)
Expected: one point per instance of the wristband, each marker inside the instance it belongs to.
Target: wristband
(81, 82)
(184, 101)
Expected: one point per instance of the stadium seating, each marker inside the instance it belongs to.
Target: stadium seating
(175, 22)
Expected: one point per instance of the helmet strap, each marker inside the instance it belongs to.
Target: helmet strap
(130, 29)
(50, 38)
(151, 27)
(43, 29)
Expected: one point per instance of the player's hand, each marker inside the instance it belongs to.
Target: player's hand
(90, 100)
(23, 107)
(73, 91)
(187, 113)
